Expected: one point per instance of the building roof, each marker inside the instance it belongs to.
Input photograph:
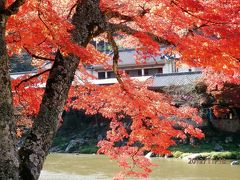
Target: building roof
(15, 75)
(127, 58)
(176, 79)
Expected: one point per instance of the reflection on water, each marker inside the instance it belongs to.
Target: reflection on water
(91, 167)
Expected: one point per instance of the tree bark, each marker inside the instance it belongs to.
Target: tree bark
(39, 140)
(8, 155)
(88, 22)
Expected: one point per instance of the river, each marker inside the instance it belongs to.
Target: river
(91, 167)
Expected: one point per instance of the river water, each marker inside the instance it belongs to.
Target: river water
(91, 167)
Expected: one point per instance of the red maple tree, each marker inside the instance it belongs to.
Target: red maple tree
(225, 90)
(203, 33)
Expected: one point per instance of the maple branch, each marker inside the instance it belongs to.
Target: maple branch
(70, 12)
(115, 57)
(115, 14)
(42, 42)
(128, 30)
(143, 10)
(38, 57)
(14, 7)
(45, 24)
(195, 29)
(31, 77)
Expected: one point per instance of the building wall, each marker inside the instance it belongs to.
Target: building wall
(228, 125)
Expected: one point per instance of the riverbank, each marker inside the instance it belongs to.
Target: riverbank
(186, 150)
(82, 137)
(206, 150)
(215, 145)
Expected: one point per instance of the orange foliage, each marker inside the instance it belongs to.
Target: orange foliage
(151, 125)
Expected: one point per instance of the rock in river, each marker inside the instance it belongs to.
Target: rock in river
(74, 145)
(235, 163)
(192, 156)
(218, 147)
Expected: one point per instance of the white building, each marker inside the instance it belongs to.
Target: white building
(161, 68)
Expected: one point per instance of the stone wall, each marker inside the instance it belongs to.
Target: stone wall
(228, 125)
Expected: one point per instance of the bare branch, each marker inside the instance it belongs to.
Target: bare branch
(144, 10)
(115, 57)
(31, 77)
(115, 14)
(70, 12)
(38, 57)
(42, 42)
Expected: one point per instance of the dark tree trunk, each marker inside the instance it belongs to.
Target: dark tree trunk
(8, 156)
(35, 149)
(39, 140)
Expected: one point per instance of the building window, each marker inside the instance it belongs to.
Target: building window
(134, 73)
(146, 72)
(111, 74)
(152, 71)
(159, 70)
(139, 72)
(101, 75)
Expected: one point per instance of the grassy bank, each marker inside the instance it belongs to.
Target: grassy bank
(62, 142)
(231, 151)
(229, 142)
(185, 150)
